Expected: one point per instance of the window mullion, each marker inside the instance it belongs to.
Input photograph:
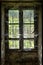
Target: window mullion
(21, 28)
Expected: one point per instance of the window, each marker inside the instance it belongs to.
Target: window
(13, 26)
(28, 28)
(20, 29)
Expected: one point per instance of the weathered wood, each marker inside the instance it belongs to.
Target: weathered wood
(22, 0)
(12, 57)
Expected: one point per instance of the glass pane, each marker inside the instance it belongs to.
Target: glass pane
(27, 31)
(28, 16)
(13, 31)
(28, 44)
(13, 44)
(13, 16)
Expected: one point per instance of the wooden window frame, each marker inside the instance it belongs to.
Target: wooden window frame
(21, 29)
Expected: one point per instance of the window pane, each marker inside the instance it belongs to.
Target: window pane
(13, 44)
(27, 31)
(13, 31)
(28, 16)
(28, 44)
(13, 16)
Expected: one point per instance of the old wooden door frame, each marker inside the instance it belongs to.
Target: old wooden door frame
(3, 5)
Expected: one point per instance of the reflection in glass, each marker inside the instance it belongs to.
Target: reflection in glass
(13, 16)
(28, 44)
(13, 31)
(13, 44)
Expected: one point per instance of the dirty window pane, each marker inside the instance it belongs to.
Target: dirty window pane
(13, 44)
(28, 44)
(13, 16)
(13, 31)
(27, 31)
(28, 16)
